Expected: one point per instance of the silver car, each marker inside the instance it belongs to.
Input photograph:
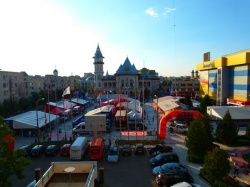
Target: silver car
(113, 154)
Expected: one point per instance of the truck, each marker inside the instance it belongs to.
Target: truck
(80, 129)
(78, 120)
(179, 128)
(79, 148)
(96, 148)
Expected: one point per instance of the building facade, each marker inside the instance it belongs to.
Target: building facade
(127, 79)
(226, 79)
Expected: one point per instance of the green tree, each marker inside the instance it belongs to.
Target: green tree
(187, 101)
(11, 162)
(216, 165)
(206, 101)
(226, 131)
(197, 140)
(248, 131)
(24, 103)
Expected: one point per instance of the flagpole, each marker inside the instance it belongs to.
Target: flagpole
(135, 111)
(120, 108)
(142, 112)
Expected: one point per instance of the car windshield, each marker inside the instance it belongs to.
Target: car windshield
(170, 166)
(126, 146)
(113, 152)
(51, 147)
(158, 157)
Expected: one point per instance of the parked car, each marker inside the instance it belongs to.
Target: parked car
(172, 178)
(185, 184)
(37, 150)
(26, 148)
(65, 150)
(113, 154)
(126, 149)
(164, 158)
(169, 167)
(139, 148)
(179, 128)
(52, 150)
(160, 148)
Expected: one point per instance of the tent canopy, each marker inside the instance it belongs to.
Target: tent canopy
(29, 119)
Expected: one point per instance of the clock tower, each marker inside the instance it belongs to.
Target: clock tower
(98, 72)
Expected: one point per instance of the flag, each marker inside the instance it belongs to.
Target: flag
(66, 91)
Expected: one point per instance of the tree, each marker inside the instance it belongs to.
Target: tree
(197, 140)
(206, 101)
(11, 162)
(226, 131)
(187, 101)
(216, 165)
(248, 131)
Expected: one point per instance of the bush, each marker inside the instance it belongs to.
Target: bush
(195, 159)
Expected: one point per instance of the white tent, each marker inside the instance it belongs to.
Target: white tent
(131, 113)
(136, 116)
(135, 102)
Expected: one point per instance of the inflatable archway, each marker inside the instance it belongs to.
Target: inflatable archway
(191, 114)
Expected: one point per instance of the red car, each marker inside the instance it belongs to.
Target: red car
(65, 149)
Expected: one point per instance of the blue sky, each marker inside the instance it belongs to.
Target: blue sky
(169, 36)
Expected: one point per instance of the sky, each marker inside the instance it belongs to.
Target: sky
(168, 36)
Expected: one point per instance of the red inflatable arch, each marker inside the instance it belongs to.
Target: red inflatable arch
(169, 115)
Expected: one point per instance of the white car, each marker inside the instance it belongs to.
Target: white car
(185, 184)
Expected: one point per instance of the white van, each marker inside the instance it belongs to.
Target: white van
(80, 129)
(79, 148)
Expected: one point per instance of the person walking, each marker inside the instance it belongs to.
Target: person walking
(236, 169)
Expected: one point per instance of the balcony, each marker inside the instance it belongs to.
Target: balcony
(83, 175)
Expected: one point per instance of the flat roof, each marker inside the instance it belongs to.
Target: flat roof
(28, 120)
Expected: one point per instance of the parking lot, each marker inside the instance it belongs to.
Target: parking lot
(132, 171)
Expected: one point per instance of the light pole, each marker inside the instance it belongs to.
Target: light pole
(157, 122)
(37, 126)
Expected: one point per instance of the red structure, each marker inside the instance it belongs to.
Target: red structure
(169, 115)
(11, 144)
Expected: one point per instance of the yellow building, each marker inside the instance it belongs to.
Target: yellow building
(226, 79)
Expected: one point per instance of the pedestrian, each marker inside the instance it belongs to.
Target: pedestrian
(153, 118)
(109, 142)
(236, 169)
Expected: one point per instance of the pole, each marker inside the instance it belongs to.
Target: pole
(157, 118)
(49, 112)
(37, 125)
(142, 112)
(120, 108)
(157, 131)
(135, 111)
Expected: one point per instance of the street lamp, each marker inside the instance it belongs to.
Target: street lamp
(37, 127)
(157, 122)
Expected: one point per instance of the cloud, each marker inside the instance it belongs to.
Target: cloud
(168, 10)
(151, 12)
